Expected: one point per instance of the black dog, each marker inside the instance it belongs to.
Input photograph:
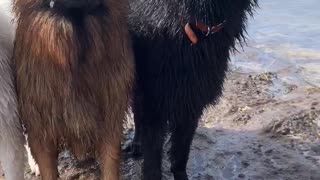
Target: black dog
(177, 80)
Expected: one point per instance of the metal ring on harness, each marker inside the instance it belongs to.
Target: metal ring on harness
(208, 31)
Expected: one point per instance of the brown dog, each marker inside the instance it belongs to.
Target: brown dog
(74, 71)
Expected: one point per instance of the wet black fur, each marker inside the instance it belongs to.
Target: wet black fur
(176, 81)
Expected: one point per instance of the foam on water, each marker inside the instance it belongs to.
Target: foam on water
(284, 36)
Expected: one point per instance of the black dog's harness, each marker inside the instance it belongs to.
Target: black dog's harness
(206, 30)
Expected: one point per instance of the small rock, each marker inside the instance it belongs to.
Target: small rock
(316, 149)
(245, 164)
(268, 152)
(241, 176)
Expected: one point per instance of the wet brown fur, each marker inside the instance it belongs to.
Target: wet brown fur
(73, 83)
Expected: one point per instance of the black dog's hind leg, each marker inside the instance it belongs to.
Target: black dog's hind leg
(183, 129)
(148, 138)
(153, 134)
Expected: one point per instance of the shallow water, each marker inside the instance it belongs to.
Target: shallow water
(284, 37)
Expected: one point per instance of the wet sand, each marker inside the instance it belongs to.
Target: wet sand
(262, 128)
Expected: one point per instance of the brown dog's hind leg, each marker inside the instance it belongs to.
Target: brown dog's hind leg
(109, 157)
(46, 155)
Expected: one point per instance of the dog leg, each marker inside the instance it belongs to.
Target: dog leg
(183, 131)
(12, 153)
(12, 159)
(153, 134)
(109, 156)
(46, 155)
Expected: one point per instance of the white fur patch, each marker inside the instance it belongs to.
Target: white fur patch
(32, 163)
